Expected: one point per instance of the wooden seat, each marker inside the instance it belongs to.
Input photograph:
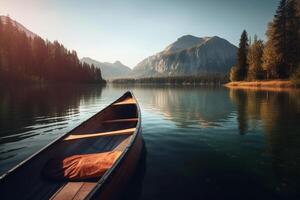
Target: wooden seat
(121, 120)
(108, 133)
(125, 102)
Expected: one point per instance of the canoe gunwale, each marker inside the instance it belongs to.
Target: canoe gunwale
(33, 156)
(122, 157)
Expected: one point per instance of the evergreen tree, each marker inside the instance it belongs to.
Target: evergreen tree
(254, 57)
(40, 56)
(298, 27)
(271, 59)
(281, 56)
(1, 45)
(292, 37)
(279, 38)
(284, 36)
(242, 64)
(26, 59)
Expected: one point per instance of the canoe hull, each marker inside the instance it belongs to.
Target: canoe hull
(115, 185)
(25, 181)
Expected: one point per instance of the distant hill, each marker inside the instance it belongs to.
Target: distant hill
(19, 26)
(109, 70)
(189, 55)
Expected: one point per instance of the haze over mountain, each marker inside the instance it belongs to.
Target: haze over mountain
(109, 70)
(19, 26)
(189, 55)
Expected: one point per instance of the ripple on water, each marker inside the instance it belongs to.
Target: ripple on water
(201, 142)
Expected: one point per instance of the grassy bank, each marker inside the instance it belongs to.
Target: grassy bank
(273, 84)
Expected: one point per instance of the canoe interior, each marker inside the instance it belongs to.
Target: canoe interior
(111, 129)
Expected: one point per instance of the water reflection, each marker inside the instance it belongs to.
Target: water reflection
(279, 114)
(187, 106)
(202, 142)
(240, 99)
(32, 116)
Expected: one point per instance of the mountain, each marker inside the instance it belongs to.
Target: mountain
(19, 26)
(185, 42)
(109, 70)
(189, 55)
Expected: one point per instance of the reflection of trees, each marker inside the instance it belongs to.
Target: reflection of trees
(279, 113)
(188, 105)
(240, 99)
(281, 117)
(21, 106)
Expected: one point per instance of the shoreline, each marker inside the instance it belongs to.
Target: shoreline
(263, 85)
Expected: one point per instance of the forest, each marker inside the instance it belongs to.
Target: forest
(279, 56)
(34, 60)
(208, 79)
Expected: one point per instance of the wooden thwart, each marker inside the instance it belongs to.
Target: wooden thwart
(121, 120)
(108, 133)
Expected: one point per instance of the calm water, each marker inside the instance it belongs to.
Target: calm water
(211, 143)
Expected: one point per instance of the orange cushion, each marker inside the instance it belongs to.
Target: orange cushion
(79, 167)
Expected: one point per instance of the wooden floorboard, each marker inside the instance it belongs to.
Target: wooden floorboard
(68, 191)
(84, 190)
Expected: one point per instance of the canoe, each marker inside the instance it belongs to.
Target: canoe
(117, 128)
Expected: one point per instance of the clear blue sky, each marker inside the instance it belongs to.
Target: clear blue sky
(130, 30)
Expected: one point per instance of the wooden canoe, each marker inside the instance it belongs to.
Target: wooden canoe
(117, 127)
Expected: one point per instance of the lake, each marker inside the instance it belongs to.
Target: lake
(200, 142)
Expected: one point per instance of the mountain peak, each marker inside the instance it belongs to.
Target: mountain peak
(187, 42)
(117, 62)
(184, 42)
(216, 38)
(187, 37)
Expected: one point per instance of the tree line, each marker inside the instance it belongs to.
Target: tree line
(214, 79)
(279, 56)
(32, 59)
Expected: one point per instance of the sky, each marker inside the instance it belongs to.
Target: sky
(131, 30)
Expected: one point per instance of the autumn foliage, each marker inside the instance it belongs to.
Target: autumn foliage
(279, 57)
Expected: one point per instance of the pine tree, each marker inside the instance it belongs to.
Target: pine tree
(254, 58)
(271, 59)
(40, 56)
(292, 37)
(298, 27)
(242, 64)
(1, 46)
(25, 59)
(279, 38)
(274, 56)
(283, 36)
